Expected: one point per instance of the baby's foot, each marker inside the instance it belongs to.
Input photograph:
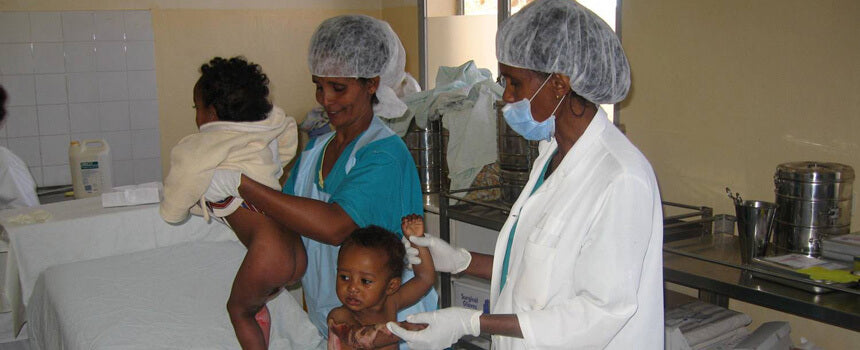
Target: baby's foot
(412, 225)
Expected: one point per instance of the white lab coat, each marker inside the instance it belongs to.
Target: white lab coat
(586, 261)
(17, 188)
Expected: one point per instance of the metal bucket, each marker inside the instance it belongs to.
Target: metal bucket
(427, 147)
(512, 182)
(814, 202)
(515, 152)
(755, 222)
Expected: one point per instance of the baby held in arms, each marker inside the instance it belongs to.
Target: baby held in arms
(369, 265)
(239, 130)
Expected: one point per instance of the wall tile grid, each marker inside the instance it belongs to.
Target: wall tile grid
(78, 75)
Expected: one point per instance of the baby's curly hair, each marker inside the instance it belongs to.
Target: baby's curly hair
(382, 240)
(238, 89)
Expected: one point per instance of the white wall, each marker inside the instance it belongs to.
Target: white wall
(74, 75)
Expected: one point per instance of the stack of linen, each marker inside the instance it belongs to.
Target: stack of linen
(700, 325)
(843, 247)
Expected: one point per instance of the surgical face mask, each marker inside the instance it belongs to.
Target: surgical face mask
(518, 115)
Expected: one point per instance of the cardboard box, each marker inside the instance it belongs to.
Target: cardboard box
(470, 293)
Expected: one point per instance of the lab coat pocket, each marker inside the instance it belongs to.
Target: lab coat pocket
(548, 232)
(532, 282)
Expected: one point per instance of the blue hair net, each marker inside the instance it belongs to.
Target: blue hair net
(562, 36)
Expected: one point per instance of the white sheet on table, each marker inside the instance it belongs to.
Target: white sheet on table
(166, 298)
(83, 230)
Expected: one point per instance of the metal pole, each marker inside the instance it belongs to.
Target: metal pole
(422, 44)
(444, 234)
(504, 10)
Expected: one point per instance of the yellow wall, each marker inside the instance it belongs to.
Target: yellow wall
(403, 18)
(724, 91)
(273, 33)
(437, 8)
(69, 5)
(454, 40)
(277, 39)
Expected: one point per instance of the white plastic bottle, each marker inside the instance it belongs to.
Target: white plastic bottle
(90, 164)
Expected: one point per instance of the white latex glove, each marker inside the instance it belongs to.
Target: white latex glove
(446, 257)
(444, 328)
(225, 183)
(411, 253)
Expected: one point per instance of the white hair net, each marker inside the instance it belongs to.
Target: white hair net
(359, 46)
(562, 36)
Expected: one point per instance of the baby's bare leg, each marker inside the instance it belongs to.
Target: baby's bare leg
(275, 258)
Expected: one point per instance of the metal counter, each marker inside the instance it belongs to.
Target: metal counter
(711, 264)
(53, 194)
(704, 261)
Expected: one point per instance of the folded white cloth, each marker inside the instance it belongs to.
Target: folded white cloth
(145, 193)
(675, 339)
(726, 341)
(703, 323)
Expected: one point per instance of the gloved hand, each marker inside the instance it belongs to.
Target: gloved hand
(225, 183)
(411, 253)
(445, 327)
(446, 257)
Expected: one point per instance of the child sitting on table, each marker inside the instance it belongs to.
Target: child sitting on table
(239, 130)
(369, 266)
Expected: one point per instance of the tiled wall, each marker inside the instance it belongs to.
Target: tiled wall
(80, 75)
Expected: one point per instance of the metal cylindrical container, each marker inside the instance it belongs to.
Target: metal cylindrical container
(512, 182)
(814, 202)
(515, 152)
(427, 147)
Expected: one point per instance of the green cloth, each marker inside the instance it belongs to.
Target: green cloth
(819, 273)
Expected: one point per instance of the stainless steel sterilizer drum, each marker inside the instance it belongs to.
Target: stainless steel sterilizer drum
(814, 202)
(516, 156)
(427, 146)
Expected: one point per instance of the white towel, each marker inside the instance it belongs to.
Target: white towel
(260, 150)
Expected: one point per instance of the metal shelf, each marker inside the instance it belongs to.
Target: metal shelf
(711, 264)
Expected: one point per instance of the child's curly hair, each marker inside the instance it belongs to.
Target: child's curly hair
(378, 238)
(238, 89)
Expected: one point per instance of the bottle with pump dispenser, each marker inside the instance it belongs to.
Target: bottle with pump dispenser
(90, 164)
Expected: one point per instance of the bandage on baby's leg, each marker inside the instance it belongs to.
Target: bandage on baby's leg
(264, 320)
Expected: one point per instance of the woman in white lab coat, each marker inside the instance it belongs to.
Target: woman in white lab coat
(17, 188)
(578, 264)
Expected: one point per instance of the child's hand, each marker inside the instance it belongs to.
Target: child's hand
(412, 225)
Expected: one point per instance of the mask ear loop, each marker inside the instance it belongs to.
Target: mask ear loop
(541, 87)
(558, 105)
